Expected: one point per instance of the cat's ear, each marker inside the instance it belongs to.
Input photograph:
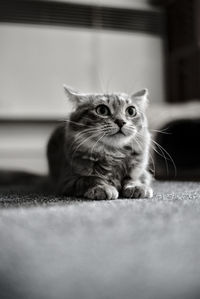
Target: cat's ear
(74, 96)
(141, 98)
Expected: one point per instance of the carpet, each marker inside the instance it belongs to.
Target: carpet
(56, 247)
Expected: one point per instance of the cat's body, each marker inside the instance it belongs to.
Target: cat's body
(102, 151)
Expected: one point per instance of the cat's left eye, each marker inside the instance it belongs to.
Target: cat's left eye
(102, 110)
(131, 111)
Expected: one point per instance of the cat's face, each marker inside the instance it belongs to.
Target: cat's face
(110, 119)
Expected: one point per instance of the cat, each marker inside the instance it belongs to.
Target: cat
(101, 151)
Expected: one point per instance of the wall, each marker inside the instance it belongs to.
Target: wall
(35, 62)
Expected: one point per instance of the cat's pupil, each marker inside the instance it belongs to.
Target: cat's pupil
(131, 111)
(102, 110)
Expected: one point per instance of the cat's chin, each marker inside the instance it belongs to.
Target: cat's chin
(117, 140)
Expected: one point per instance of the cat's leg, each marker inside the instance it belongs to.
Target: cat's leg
(89, 187)
(138, 188)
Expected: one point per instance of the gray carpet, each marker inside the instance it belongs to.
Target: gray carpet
(58, 248)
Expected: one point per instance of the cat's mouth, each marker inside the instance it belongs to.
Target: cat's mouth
(120, 132)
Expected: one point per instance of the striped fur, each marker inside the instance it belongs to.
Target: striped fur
(101, 156)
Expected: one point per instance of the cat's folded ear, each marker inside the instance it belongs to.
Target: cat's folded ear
(74, 96)
(141, 98)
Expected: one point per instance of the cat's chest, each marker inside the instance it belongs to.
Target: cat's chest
(109, 167)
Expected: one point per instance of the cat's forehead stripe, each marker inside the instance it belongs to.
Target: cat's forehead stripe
(114, 100)
(119, 101)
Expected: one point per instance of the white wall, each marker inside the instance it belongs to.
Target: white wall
(132, 61)
(35, 62)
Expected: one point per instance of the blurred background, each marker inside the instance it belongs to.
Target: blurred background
(99, 46)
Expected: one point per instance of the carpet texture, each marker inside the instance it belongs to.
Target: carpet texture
(54, 247)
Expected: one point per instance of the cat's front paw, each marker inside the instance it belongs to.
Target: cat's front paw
(102, 193)
(137, 191)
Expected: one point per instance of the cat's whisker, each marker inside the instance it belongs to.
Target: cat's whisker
(97, 130)
(85, 132)
(130, 129)
(97, 143)
(79, 145)
(86, 118)
(78, 136)
(159, 131)
(170, 157)
(85, 139)
(152, 160)
(162, 154)
(91, 130)
(76, 123)
(164, 129)
(153, 164)
(138, 143)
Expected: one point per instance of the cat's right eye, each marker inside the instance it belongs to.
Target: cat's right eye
(102, 110)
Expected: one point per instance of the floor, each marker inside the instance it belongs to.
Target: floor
(54, 247)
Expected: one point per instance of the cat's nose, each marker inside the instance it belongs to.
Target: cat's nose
(120, 122)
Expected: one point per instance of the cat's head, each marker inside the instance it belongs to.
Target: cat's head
(109, 119)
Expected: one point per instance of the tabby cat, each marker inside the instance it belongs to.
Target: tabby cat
(102, 150)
